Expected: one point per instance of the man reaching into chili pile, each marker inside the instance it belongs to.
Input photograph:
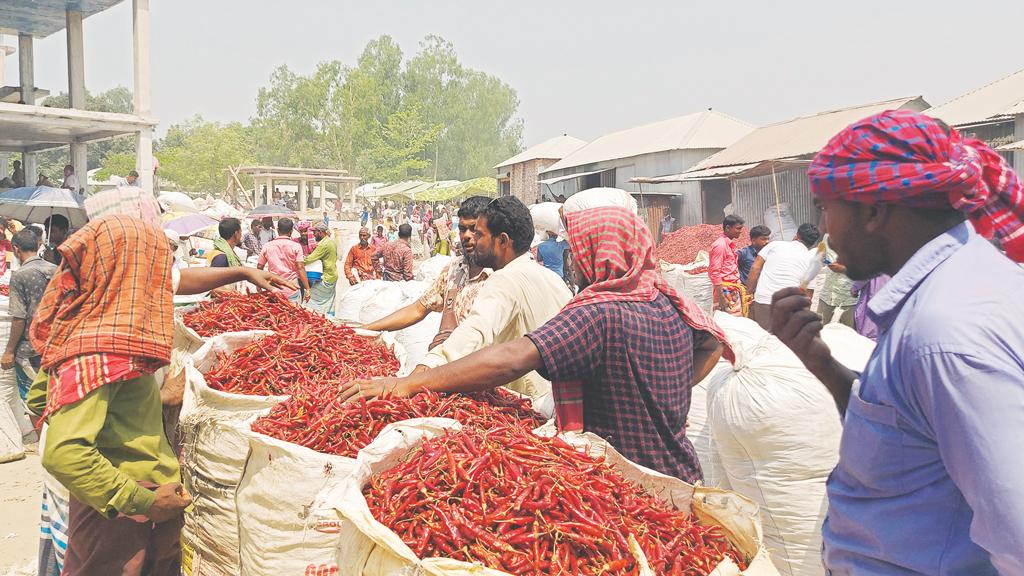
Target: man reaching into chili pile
(622, 355)
(928, 479)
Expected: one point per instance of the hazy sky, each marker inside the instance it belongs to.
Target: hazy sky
(584, 68)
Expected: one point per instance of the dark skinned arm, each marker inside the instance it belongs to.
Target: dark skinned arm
(798, 328)
(706, 353)
(199, 280)
(17, 331)
(754, 275)
(482, 370)
(401, 318)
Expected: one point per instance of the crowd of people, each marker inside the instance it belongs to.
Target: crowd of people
(926, 479)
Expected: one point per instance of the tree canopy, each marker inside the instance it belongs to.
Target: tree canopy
(385, 118)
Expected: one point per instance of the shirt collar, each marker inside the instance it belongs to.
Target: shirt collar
(885, 306)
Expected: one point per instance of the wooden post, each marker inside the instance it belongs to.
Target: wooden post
(26, 72)
(141, 91)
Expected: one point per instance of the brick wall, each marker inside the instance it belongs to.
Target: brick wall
(523, 179)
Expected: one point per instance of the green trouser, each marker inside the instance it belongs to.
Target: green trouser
(828, 312)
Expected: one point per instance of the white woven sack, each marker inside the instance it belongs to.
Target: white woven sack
(776, 434)
(368, 548)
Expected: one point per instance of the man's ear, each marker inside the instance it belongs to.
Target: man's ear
(875, 217)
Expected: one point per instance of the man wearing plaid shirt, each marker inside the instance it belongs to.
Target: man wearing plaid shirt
(622, 355)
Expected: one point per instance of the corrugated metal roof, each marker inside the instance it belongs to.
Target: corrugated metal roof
(702, 130)
(800, 136)
(1017, 146)
(553, 148)
(1002, 98)
(695, 174)
(571, 176)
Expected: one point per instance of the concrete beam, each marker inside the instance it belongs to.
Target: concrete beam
(26, 70)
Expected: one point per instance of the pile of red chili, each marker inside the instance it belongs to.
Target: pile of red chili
(683, 245)
(236, 312)
(345, 428)
(5, 290)
(305, 360)
(522, 504)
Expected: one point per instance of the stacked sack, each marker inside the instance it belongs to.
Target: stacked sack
(774, 436)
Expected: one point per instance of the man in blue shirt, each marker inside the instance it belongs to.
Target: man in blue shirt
(759, 236)
(928, 479)
(551, 253)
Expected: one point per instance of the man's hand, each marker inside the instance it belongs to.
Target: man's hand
(798, 328)
(172, 393)
(171, 501)
(306, 295)
(266, 280)
(370, 389)
(7, 361)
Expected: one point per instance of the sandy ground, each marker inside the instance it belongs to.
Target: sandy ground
(21, 487)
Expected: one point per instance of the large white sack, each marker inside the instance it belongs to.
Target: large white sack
(389, 297)
(214, 426)
(371, 549)
(848, 347)
(432, 267)
(776, 432)
(699, 432)
(697, 285)
(546, 217)
(286, 528)
(600, 198)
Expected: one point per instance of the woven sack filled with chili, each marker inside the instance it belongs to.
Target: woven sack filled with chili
(369, 547)
(214, 428)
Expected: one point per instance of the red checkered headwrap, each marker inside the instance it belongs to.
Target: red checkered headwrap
(907, 158)
(614, 251)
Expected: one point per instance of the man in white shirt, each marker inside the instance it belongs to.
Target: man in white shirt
(779, 265)
(70, 180)
(517, 298)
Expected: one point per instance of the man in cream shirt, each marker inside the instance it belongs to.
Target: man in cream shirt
(519, 297)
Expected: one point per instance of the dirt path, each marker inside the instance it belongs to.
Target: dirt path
(21, 486)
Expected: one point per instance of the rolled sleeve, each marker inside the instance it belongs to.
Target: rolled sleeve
(491, 313)
(433, 298)
(569, 344)
(976, 408)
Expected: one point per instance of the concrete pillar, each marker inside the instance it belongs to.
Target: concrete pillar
(323, 195)
(302, 193)
(141, 99)
(76, 60)
(30, 164)
(76, 87)
(270, 190)
(26, 71)
(144, 159)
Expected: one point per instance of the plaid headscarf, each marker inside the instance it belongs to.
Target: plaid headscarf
(614, 251)
(107, 313)
(906, 158)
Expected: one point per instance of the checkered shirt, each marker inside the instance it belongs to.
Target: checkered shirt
(635, 363)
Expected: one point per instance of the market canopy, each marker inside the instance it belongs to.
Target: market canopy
(485, 186)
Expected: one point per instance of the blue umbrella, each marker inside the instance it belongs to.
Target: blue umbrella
(34, 204)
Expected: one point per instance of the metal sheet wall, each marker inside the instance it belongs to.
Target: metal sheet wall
(752, 196)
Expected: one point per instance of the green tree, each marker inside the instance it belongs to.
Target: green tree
(397, 152)
(195, 154)
(116, 164)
